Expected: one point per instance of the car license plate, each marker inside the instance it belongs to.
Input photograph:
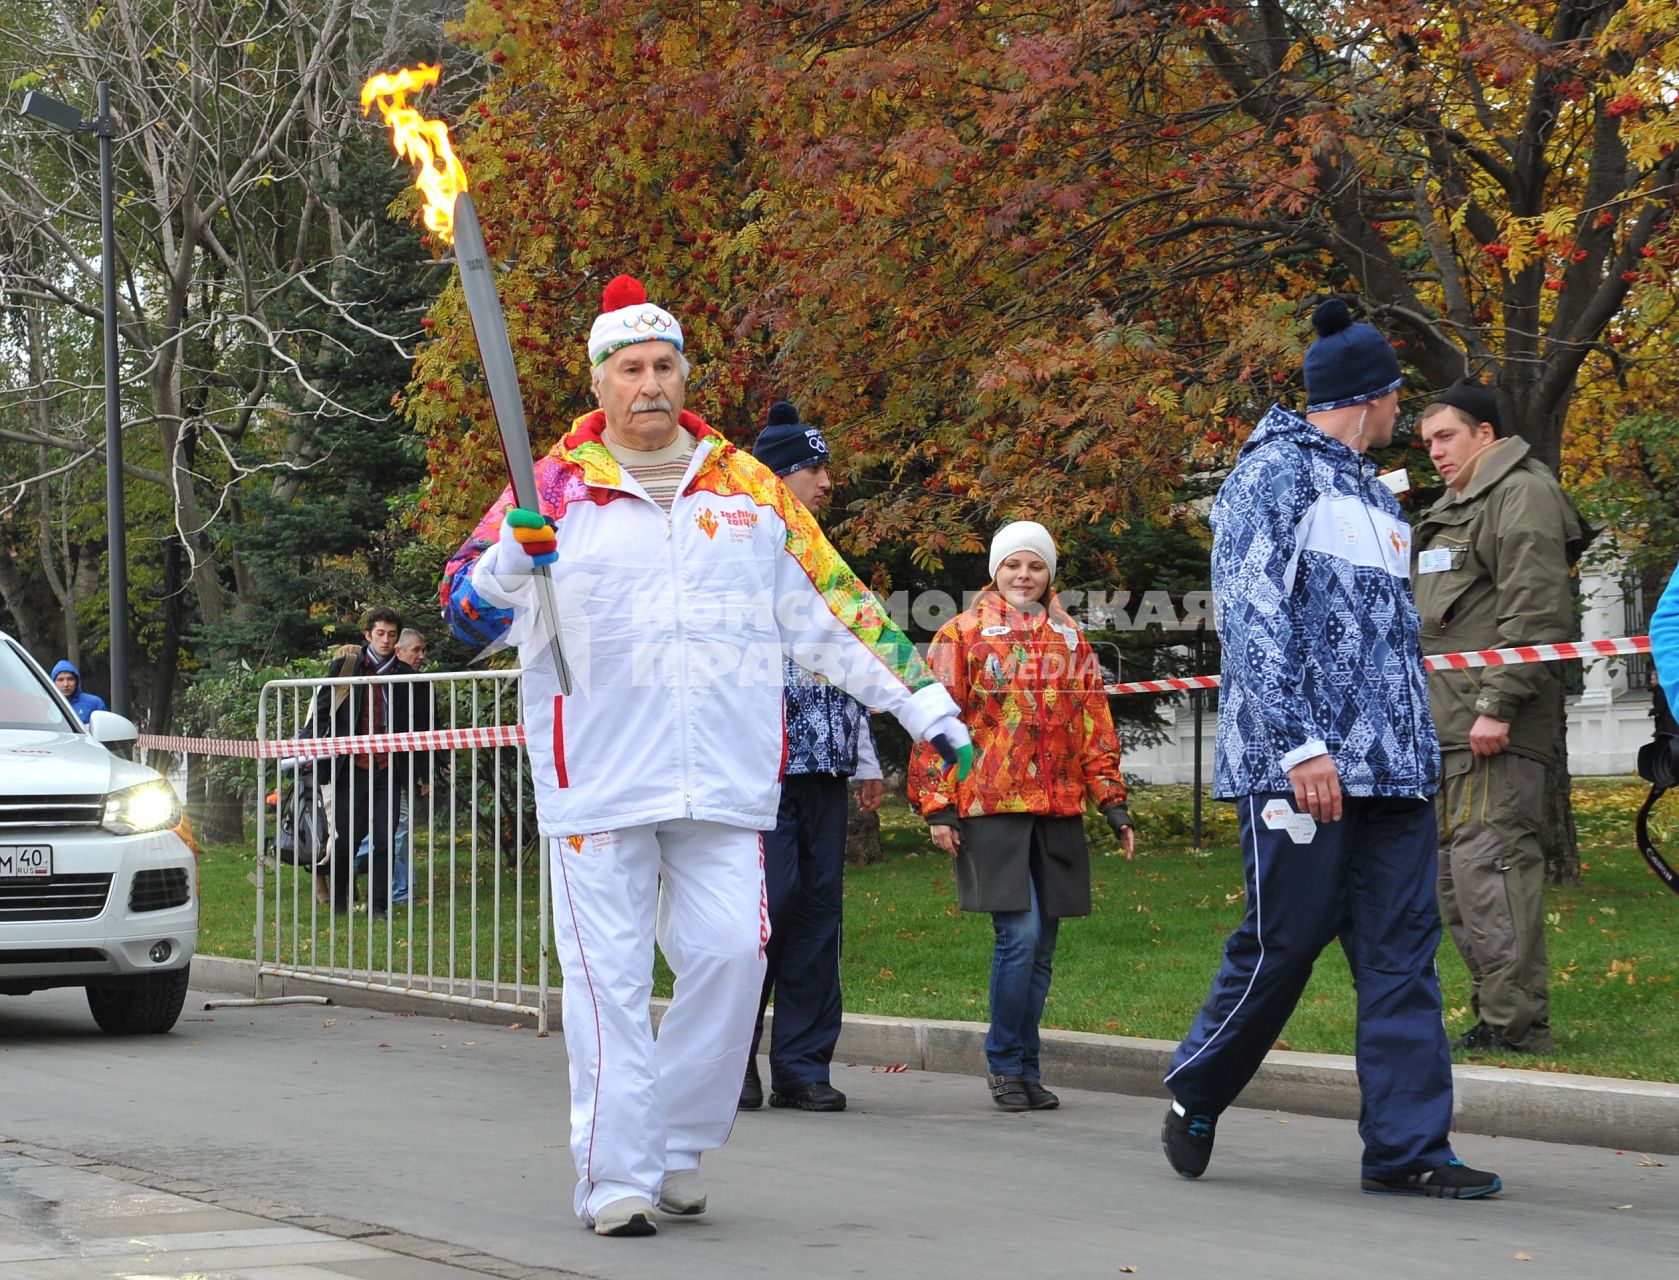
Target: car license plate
(19, 861)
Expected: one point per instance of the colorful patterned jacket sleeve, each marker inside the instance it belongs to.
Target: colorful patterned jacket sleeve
(833, 625)
(480, 623)
(477, 623)
(931, 787)
(1100, 758)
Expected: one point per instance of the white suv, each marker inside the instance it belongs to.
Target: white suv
(97, 889)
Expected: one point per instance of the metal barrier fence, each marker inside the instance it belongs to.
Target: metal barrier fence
(468, 922)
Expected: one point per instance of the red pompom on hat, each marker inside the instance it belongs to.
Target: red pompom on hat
(627, 317)
(621, 292)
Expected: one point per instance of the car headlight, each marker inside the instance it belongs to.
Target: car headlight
(151, 806)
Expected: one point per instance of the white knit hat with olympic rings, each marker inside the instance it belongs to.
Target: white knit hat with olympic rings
(627, 317)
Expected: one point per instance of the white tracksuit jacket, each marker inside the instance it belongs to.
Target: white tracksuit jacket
(674, 626)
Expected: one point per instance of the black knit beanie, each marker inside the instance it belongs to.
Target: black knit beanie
(788, 445)
(1349, 363)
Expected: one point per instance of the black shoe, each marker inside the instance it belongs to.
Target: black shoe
(818, 1095)
(1009, 1092)
(1482, 1038)
(752, 1088)
(1188, 1140)
(1040, 1098)
(1451, 1181)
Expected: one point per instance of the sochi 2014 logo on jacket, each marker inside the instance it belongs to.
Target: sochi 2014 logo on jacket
(739, 523)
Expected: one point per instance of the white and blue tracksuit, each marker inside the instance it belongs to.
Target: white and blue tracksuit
(828, 742)
(1311, 580)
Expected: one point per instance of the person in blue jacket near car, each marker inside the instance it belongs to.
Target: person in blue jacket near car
(69, 682)
(1326, 745)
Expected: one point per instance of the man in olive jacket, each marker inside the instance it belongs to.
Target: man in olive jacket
(1491, 569)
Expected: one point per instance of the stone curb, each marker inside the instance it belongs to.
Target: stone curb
(1544, 1106)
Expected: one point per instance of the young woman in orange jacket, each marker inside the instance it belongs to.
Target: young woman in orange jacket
(1030, 689)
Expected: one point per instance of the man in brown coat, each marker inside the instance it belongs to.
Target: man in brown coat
(1491, 562)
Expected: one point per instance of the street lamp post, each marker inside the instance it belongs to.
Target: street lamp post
(62, 116)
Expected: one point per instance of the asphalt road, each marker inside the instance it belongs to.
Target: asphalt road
(454, 1131)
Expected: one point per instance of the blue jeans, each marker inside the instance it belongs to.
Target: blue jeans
(1021, 963)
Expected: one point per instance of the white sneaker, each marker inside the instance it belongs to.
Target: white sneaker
(631, 1216)
(682, 1193)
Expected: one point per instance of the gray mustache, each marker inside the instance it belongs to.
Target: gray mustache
(649, 406)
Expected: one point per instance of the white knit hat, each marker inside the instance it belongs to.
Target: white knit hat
(627, 317)
(1022, 535)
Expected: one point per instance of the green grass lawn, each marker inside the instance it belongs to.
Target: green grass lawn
(1141, 963)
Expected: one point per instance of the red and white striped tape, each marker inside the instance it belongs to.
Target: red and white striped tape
(513, 735)
(1574, 650)
(495, 735)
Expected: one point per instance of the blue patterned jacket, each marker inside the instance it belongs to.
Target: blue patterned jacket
(826, 726)
(1311, 584)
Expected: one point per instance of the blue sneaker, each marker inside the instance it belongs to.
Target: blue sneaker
(1453, 1180)
(1188, 1140)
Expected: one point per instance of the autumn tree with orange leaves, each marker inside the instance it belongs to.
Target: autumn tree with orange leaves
(1031, 261)
(892, 217)
(1053, 261)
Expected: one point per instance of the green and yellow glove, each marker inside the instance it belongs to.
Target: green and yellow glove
(526, 541)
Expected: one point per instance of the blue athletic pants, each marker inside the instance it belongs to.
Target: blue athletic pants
(1369, 881)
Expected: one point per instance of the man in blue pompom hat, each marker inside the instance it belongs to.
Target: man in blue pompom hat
(1326, 746)
(828, 743)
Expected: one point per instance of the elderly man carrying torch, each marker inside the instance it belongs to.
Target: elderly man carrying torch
(683, 569)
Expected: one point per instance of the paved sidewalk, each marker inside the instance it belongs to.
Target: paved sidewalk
(1510, 1102)
(438, 1147)
(70, 1217)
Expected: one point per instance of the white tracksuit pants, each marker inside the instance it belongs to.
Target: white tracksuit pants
(638, 1107)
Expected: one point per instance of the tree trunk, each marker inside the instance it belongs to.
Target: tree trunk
(168, 665)
(25, 619)
(220, 816)
(862, 832)
(1558, 837)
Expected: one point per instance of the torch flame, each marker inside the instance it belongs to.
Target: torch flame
(439, 175)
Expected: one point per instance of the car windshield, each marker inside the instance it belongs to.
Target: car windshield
(25, 700)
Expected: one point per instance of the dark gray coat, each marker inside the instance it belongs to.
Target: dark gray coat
(997, 855)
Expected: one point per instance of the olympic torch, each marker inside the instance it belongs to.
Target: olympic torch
(450, 215)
